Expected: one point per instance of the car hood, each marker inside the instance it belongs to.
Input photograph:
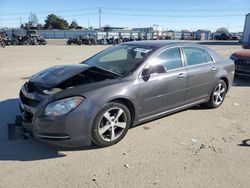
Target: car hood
(242, 54)
(53, 76)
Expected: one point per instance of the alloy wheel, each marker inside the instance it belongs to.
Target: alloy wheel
(219, 94)
(112, 124)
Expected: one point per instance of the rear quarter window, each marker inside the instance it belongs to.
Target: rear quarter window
(208, 56)
(196, 56)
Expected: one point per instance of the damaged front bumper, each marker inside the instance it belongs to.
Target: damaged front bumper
(69, 130)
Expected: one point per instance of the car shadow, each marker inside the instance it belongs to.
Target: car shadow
(241, 81)
(24, 150)
(245, 143)
(200, 107)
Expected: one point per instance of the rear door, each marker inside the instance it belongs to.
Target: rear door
(164, 91)
(201, 73)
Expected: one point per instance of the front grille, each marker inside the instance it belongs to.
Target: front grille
(242, 72)
(27, 101)
(31, 88)
(28, 116)
(242, 64)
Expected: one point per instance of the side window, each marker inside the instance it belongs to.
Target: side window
(208, 57)
(170, 59)
(194, 56)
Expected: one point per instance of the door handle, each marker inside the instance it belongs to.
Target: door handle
(213, 68)
(181, 75)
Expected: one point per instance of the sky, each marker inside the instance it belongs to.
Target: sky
(174, 14)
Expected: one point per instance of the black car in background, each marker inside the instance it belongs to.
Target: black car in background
(223, 36)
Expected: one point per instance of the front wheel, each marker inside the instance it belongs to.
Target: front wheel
(218, 95)
(111, 124)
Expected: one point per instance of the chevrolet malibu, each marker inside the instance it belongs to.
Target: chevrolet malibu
(98, 100)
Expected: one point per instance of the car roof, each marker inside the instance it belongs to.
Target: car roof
(161, 43)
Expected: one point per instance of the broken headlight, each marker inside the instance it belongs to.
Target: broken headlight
(51, 91)
(62, 106)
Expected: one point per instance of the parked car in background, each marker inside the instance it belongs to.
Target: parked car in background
(236, 37)
(82, 39)
(99, 99)
(242, 62)
(223, 36)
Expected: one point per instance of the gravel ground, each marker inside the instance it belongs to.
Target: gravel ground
(197, 147)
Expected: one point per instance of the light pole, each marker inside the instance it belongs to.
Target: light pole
(100, 24)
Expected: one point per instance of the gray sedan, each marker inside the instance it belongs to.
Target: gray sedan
(98, 100)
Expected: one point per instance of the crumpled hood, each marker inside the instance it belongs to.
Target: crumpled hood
(53, 76)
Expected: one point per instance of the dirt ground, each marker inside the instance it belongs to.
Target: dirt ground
(197, 147)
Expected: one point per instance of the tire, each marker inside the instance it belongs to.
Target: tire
(3, 44)
(14, 43)
(108, 129)
(218, 95)
(79, 42)
(68, 42)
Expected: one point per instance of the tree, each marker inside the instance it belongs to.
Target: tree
(107, 28)
(55, 22)
(73, 24)
(33, 21)
(26, 26)
(22, 26)
(79, 27)
(39, 26)
(222, 30)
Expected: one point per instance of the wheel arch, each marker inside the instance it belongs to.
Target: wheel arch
(225, 79)
(129, 104)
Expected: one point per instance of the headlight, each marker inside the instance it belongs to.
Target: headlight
(51, 91)
(62, 106)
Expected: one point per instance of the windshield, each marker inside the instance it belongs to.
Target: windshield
(121, 59)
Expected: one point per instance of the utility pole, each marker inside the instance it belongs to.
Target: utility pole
(100, 24)
(20, 21)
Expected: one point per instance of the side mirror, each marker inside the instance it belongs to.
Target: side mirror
(152, 70)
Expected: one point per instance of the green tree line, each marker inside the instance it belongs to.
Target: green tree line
(52, 21)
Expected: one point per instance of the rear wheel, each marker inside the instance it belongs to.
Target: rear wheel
(218, 95)
(111, 124)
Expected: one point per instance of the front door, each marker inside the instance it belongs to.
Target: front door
(164, 91)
